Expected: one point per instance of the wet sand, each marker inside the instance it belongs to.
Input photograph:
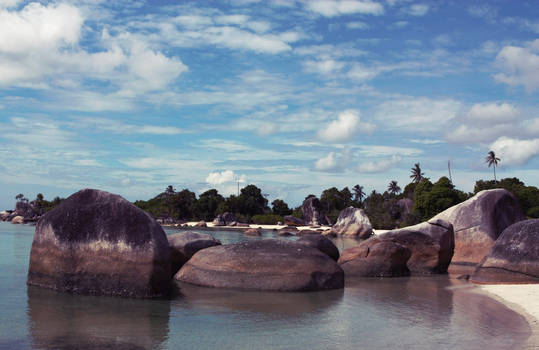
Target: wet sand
(522, 298)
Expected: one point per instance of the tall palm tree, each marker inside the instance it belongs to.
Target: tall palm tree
(417, 175)
(491, 159)
(393, 188)
(358, 193)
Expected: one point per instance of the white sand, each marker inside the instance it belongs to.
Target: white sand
(522, 298)
(265, 227)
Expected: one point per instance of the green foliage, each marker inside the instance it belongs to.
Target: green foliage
(431, 199)
(334, 200)
(527, 196)
(41, 205)
(409, 190)
(297, 213)
(207, 205)
(170, 204)
(279, 207)
(377, 211)
(267, 219)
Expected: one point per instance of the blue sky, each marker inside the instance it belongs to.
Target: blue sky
(292, 96)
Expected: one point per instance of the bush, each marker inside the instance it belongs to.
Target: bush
(267, 219)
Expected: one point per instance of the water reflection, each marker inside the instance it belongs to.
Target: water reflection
(271, 304)
(65, 321)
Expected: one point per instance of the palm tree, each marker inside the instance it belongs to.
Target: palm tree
(491, 159)
(358, 193)
(417, 175)
(393, 188)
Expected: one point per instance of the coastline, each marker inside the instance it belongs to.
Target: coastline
(521, 298)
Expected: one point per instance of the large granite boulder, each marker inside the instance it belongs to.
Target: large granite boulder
(479, 221)
(311, 212)
(184, 245)
(225, 219)
(272, 265)
(514, 258)
(290, 220)
(98, 243)
(432, 244)
(201, 224)
(322, 243)
(353, 222)
(376, 257)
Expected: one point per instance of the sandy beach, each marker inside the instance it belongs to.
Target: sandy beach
(522, 298)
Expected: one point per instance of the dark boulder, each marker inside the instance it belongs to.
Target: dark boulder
(201, 224)
(514, 258)
(272, 265)
(353, 222)
(376, 257)
(323, 244)
(308, 232)
(479, 221)
(225, 219)
(98, 243)
(432, 245)
(184, 245)
(25, 210)
(290, 220)
(311, 212)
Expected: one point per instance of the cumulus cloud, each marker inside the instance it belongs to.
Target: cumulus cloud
(327, 163)
(332, 8)
(513, 151)
(492, 113)
(347, 125)
(520, 65)
(380, 165)
(226, 176)
(356, 25)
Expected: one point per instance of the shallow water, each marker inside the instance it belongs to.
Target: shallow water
(401, 313)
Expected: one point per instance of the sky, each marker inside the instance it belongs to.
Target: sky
(294, 96)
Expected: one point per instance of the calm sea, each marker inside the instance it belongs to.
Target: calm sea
(401, 313)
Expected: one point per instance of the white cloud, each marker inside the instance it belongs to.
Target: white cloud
(327, 163)
(332, 8)
(119, 127)
(361, 73)
(418, 10)
(513, 151)
(520, 65)
(489, 113)
(379, 166)
(356, 25)
(347, 125)
(226, 176)
(418, 114)
(483, 11)
(324, 67)
(86, 162)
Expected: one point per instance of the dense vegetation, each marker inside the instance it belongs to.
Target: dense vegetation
(419, 201)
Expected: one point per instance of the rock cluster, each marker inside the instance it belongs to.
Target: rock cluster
(479, 221)
(311, 212)
(225, 219)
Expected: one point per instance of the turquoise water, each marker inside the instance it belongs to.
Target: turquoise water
(402, 313)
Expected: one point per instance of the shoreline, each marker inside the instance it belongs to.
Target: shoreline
(521, 298)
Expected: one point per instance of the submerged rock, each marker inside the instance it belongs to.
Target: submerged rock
(253, 232)
(514, 258)
(98, 243)
(324, 244)
(272, 265)
(184, 245)
(201, 224)
(376, 257)
(353, 222)
(479, 221)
